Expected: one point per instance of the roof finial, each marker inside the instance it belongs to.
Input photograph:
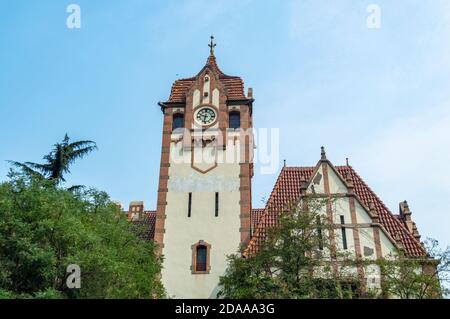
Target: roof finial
(284, 165)
(346, 161)
(323, 155)
(211, 45)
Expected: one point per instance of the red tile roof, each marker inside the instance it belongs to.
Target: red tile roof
(146, 226)
(287, 189)
(255, 217)
(234, 85)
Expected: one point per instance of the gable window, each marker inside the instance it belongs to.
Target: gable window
(234, 120)
(178, 121)
(319, 232)
(344, 234)
(200, 258)
(217, 205)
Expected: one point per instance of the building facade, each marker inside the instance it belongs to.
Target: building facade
(204, 210)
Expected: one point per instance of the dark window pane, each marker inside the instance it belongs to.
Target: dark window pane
(217, 205)
(189, 204)
(201, 258)
(178, 121)
(319, 233)
(344, 234)
(235, 120)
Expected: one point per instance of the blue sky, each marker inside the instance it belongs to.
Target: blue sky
(378, 96)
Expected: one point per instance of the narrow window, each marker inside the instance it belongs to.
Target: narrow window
(200, 264)
(234, 120)
(200, 258)
(217, 205)
(344, 235)
(178, 121)
(319, 233)
(189, 204)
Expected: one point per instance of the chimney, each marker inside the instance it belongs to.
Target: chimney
(118, 204)
(118, 207)
(136, 210)
(250, 93)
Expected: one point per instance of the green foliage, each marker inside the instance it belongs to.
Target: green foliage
(58, 161)
(296, 261)
(416, 278)
(43, 229)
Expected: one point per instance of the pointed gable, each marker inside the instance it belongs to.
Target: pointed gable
(287, 190)
(233, 85)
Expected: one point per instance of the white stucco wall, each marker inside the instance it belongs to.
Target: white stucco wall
(341, 207)
(221, 232)
(336, 185)
(387, 248)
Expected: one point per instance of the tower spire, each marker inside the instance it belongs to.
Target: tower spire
(211, 45)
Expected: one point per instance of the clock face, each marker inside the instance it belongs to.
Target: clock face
(205, 116)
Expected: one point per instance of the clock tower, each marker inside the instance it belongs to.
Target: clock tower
(204, 193)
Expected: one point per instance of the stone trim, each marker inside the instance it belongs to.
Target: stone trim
(163, 182)
(245, 177)
(352, 225)
(326, 184)
(355, 230)
(194, 258)
(376, 238)
(357, 243)
(198, 169)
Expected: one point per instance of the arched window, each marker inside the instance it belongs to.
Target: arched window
(178, 121)
(200, 258)
(234, 120)
(200, 264)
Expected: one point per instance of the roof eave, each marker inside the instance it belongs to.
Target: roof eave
(240, 102)
(164, 105)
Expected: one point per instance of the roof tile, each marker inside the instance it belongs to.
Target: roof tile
(233, 84)
(146, 226)
(287, 189)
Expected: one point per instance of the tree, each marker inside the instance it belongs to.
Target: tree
(44, 229)
(58, 161)
(296, 260)
(416, 278)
